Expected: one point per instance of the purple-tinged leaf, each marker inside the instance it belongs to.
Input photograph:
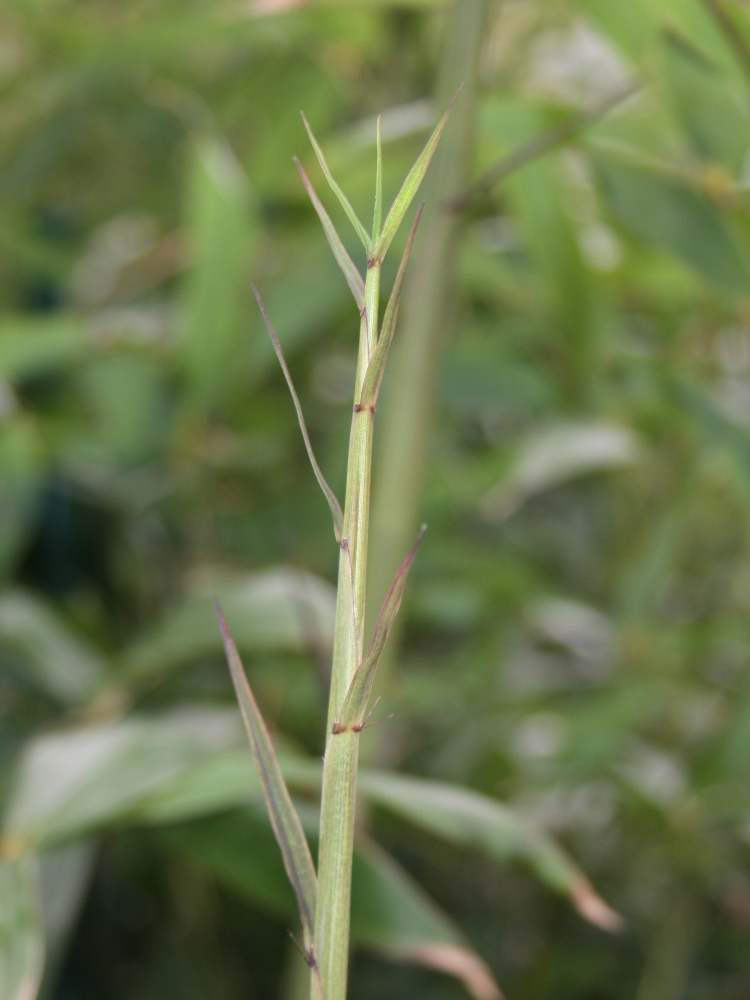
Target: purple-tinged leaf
(355, 703)
(286, 824)
(338, 517)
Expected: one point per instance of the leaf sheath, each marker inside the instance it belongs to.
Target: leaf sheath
(355, 703)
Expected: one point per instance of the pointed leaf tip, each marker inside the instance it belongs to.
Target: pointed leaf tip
(593, 908)
(359, 229)
(355, 702)
(286, 824)
(351, 273)
(336, 513)
(410, 186)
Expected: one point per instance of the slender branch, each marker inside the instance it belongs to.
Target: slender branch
(341, 757)
(541, 144)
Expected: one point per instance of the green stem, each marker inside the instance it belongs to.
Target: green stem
(340, 762)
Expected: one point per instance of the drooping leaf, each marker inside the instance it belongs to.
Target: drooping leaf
(76, 781)
(279, 608)
(376, 367)
(391, 914)
(65, 665)
(358, 695)
(21, 931)
(353, 277)
(554, 455)
(338, 517)
(410, 187)
(285, 821)
(454, 814)
(306, 297)
(220, 782)
(359, 229)
(464, 817)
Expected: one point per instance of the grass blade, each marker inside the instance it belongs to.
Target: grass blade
(410, 187)
(338, 517)
(355, 703)
(376, 367)
(353, 278)
(469, 819)
(378, 214)
(284, 819)
(345, 203)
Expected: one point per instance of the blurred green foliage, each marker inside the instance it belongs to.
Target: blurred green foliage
(576, 625)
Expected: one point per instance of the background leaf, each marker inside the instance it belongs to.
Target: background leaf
(21, 933)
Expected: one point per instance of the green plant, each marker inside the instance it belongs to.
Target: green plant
(324, 900)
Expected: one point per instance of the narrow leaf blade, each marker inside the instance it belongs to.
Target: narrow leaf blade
(353, 277)
(345, 203)
(410, 187)
(283, 816)
(392, 914)
(338, 517)
(376, 367)
(355, 703)
(377, 220)
(470, 819)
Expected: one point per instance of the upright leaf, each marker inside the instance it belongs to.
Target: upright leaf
(214, 289)
(338, 517)
(355, 703)
(284, 819)
(359, 229)
(376, 367)
(347, 265)
(410, 187)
